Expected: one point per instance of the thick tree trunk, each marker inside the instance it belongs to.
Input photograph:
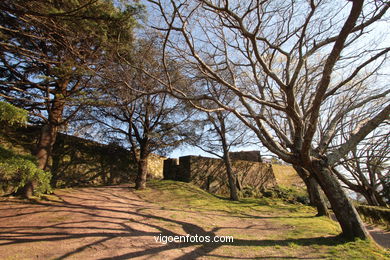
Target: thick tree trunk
(238, 183)
(345, 212)
(43, 154)
(142, 173)
(45, 145)
(316, 197)
(46, 141)
(27, 191)
(231, 177)
(369, 198)
(55, 168)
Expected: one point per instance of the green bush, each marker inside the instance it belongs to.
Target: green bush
(288, 194)
(17, 170)
(250, 192)
(374, 215)
(12, 115)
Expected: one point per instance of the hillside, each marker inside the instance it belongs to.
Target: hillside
(117, 222)
(285, 175)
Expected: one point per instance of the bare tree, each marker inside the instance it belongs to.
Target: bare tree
(217, 133)
(129, 110)
(365, 168)
(289, 64)
(148, 124)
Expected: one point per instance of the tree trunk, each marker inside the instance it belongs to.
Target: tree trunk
(46, 141)
(142, 173)
(317, 197)
(380, 200)
(45, 145)
(373, 198)
(345, 212)
(27, 191)
(43, 154)
(314, 191)
(55, 168)
(231, 177)
(238, 183)
(369, 198)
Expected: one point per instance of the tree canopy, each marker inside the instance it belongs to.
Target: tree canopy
(50, 52)
(288, 63)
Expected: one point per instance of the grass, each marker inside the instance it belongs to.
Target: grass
(286, 175)
(288, 231)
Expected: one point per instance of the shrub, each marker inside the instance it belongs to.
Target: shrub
(250, 192)
(17, 170)
(288, 194)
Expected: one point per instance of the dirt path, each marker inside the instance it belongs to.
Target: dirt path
(95, 223)
(380, 236)
(88, 223)
(114, 223)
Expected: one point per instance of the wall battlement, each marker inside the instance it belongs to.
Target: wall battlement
(210, 173)
(251, 156)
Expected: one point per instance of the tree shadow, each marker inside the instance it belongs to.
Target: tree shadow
(110, 214)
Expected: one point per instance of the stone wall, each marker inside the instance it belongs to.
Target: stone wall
(81, 162)
(251, 156)
(155, 166)
(210, 173)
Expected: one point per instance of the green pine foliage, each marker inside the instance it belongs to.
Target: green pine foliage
(12, 115)
(52, 49)
(16, 170)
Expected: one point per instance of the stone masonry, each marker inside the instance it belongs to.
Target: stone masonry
(210, 173)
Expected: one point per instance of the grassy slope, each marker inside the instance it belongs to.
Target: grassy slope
(293, 229)
(286, 176)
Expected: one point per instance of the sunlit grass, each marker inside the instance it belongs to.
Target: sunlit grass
(298, 232)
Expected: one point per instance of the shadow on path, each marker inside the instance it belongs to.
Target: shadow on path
(112, 223)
